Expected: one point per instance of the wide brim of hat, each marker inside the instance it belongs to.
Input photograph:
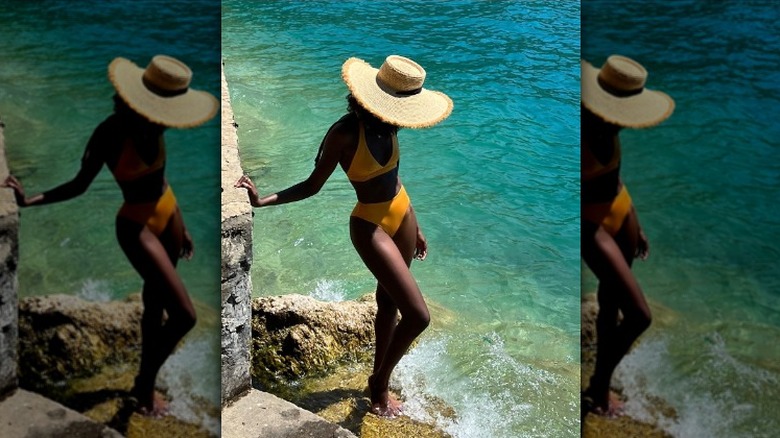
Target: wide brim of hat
(421, 110)
(186, 110)
(642, 110)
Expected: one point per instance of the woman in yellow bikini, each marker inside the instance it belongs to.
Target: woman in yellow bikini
(149, 226)
(382, 225)
(613, 98)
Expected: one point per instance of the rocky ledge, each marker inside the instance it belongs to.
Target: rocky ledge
(85, 355)
(325, 349)
(296, 335)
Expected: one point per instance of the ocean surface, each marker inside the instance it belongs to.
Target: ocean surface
(495, 188)
(705, 184)
(54, 91)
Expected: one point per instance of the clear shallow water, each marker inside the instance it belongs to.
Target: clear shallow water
(495, 188)
(705, 184)
(54, 91)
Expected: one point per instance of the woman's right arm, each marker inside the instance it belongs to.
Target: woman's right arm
(91, 164)
(333, 145)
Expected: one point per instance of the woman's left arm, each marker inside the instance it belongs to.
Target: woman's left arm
(333, 144)
(91, 163)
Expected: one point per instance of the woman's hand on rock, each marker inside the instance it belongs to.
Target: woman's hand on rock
(18, 189)
(246, 183)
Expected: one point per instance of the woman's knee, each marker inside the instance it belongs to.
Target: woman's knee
(638, 319)
(184, 319)
(419, 319)
(384, 302)
(644, 320)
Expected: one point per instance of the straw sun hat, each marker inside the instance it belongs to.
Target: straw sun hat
(161, 92)
(617, 94)
(394, 93)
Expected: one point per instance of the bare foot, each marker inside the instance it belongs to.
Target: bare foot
(383, 404)
(156, 407)
(611, 408)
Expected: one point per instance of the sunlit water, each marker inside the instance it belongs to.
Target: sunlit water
(54, 91)
(705, 184)
(495, 188)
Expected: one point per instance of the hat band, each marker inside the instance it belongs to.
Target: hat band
(409, 92)
(619, 92)
(164, 92)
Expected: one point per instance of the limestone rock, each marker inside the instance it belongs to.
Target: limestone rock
(236, 261)
(26, 414)
(63, 336)
(341, 397)
(295, 335)
(589, 309)
(9, 258)
(85, 355)
(260, 414)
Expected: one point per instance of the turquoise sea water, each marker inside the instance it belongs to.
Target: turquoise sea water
(495, 188)
(706, 185)
(54, 91)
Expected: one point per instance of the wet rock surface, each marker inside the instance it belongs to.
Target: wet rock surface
(64, 337)
(296, 335)
(342, 397)
(85, 355)
(318, 355)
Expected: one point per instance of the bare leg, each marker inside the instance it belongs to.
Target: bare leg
(610, 259)
(384, 325)
(387, 311)
(388, 259)
(155, 260)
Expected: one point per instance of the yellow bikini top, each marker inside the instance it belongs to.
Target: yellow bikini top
(130, 166)
(592, 167)
(364, 166)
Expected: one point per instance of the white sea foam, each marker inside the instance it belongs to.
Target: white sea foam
(189, 374)
(329, 290)
(493, 396)
(95, 290)
(719, 395)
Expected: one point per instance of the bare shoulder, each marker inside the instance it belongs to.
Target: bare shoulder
(105, 138)
(343, 133)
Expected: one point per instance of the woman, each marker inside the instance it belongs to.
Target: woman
(149, 225)
(613, 98)
(382, 225)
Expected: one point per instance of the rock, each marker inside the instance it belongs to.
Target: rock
(9, 258)
(326, 349)
(296, 335)
(236, 282)
(589, 309)
(260, 414)
(104, 397)
(26, 414)
(65, 337)
(341, 397)
(85, 355)
(401, 427)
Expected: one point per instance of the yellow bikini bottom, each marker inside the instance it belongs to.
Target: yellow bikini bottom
(610, 215)
(388, 215)
(155, 215)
